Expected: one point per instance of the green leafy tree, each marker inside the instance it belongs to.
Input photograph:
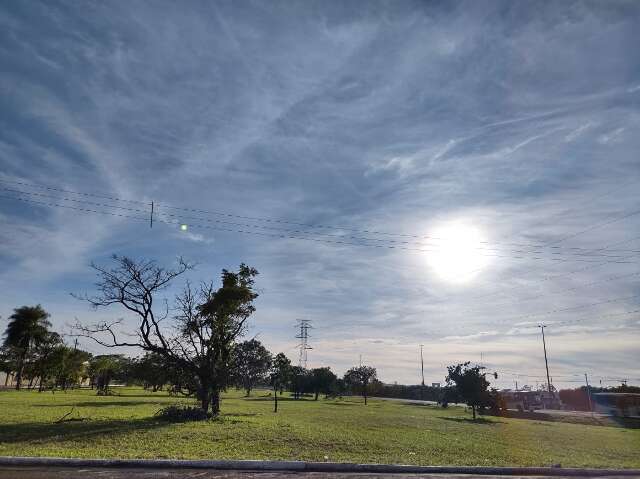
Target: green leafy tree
(299, 381)
(206, 328)
(44, 358)
(252, 362)
(151, 371)
(71, 366)
(323, 381)
(358, 378)
(279, 376)
(468, 384)
(103, 369)
(28, 326)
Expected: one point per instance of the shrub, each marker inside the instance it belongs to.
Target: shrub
(182, 413)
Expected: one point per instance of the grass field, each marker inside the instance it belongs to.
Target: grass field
(124, 426)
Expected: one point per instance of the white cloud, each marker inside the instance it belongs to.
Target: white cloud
(374, 120)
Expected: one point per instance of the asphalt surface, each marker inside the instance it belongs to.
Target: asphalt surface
(141, 473)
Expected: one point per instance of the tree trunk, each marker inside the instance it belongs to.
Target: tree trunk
(365, 399)
(19, 374)
(316, 398)
(473, 411)
(248, 390)
(204, 403)
(6, 379)
(275, 399)
(215, 403)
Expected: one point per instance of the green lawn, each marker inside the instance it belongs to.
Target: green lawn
(342, 430)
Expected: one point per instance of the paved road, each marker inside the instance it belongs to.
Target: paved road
(139, 473)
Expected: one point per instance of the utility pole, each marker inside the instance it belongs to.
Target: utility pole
(516, 386)
(586, 380)
(422, 364)
(546, 363)
(422, 371)
(361, 360)
(303, 336)
(151, 217)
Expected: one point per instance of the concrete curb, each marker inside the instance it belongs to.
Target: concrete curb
(301, 466)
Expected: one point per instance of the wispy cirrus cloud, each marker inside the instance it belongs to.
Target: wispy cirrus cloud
(399, 118)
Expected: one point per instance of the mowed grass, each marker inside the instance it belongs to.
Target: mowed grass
(124, 426)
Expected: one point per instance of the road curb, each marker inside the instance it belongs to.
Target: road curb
(301, 466)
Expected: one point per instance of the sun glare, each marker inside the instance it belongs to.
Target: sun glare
(458, 255)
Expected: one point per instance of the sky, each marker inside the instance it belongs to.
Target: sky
(449, 174)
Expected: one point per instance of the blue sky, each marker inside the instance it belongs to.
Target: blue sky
(519, 121)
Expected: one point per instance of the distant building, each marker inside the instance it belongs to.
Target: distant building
(530, 400)
(617, 404)
(435, 385)
(7, 380)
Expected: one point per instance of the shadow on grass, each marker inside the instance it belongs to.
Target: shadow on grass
(270, 399)
(469, 420)
(103, 403)
(414, 404)
(75, 430)
(611, 421)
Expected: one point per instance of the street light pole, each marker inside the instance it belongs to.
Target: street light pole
(422, 363)
(422, 371)
(586, 380)
(546, 363)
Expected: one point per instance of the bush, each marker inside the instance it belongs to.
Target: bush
(182, 413)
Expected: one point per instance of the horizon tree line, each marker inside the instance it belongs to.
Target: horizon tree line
(194, 348)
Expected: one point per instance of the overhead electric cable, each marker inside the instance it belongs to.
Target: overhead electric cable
(309, 225)
(296, 235)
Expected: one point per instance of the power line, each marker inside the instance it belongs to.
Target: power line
(545, 294)
(287, 233)
(596, 226)
(151, 204)
(310, 225)
(50, 188)
(555, 323)
(572, 308)
(568, 273)
(84, 202)
(75, 208)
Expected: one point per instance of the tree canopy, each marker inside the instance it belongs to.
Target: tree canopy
(469, 385)
(205, 329)
(28, 326)
(251, 364)
(359, 378)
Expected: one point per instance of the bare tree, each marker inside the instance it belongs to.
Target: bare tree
(199, 343)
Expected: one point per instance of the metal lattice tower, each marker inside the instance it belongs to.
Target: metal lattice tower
(303, 325)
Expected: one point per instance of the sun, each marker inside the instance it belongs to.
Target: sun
(458, 253)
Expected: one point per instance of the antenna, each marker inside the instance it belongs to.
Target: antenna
(304, 325)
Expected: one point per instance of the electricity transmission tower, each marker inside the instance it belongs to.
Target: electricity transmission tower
(304, 325)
